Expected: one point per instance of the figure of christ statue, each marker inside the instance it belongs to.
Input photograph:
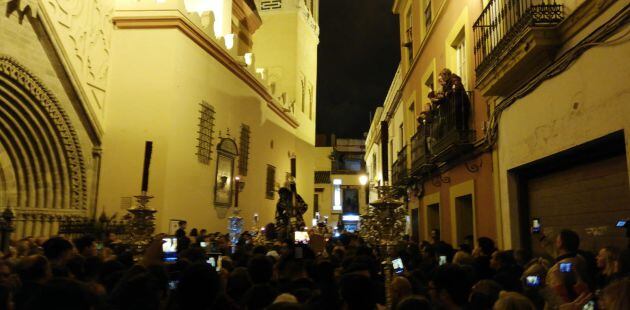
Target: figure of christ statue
(289, 213)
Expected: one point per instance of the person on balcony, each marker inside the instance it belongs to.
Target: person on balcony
(451, 104)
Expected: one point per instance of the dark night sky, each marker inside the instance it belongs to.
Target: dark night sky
(358, 55)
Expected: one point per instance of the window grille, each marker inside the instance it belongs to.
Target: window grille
(244, 156)
(204, 140)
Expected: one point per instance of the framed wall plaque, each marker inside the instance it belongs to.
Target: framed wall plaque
(224, 179)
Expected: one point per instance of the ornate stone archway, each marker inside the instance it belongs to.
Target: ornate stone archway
(42, 168)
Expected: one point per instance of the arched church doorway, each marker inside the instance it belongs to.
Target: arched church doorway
(42, 169)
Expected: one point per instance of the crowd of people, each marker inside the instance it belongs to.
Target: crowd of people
(345, 273)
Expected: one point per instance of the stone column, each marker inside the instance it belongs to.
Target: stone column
(37, 225)
(19, 227)
(46, 219)
(54, 228)
(28, 225)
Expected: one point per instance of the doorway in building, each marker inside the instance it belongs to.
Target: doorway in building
(350, 201)
(464, 214)
(584, 189)
(433, 217)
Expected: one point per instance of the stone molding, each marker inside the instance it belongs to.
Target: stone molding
(63, 138)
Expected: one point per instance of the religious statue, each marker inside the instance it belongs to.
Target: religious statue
(289, 211)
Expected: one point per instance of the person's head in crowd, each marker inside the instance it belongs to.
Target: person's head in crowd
(414, 303)
(182, 225)
(193, 255)
(616, 296)
(198, 287)
(400, 288)
(463, 258)
(502, 259)
(260, 269)
(23, 247)
(606, 260)
(484, 294)
(285, 298)
(5, 274)
(567, 241)
(259, 249)
(260, 296)
(86, 245)
(238, 283)
(194, 232)
(62, 293)
(522, 257)
(357, 292)
(435, 235)
(33, 269)
(449, 287)
(486, 247)
(76, 267)
(58, 250)
(513, 301)
(203, 232)
(140, 290)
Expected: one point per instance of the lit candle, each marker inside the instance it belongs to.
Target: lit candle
(148, 149)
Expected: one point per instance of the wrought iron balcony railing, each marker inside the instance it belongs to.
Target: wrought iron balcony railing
(420, 154)
(451, 123)
(443, 131)
(399, 167)
(501, 22)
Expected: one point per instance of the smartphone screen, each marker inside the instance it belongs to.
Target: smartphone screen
(442, 260)
(203, 244)
(533, 281)
(590, 305)
(565, 267)
(214, 260)
(169, 247)
(301, 237)
(397, 265)
(172, 285)
(536, 225)
(621, 223)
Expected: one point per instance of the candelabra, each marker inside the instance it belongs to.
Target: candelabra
(141, 224)
(383, 225)
(235, 226)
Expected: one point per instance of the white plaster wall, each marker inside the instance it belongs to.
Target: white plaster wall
(587, 101)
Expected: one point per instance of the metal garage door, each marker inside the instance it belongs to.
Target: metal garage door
(588, 198)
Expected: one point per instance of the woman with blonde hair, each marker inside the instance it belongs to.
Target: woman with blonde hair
(607, 265)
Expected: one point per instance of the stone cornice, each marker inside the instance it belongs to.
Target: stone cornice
(175, 21)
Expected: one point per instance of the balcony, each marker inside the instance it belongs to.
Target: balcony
(444, 133)
(399, 167)
(513, 40)
(420, 155)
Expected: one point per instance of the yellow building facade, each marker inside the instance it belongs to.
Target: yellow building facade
(546, 82)
(559, 120)
(183, 74)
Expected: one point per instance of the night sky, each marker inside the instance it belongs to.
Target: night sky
(358, 55)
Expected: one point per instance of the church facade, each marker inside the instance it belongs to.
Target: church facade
(85, 84)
